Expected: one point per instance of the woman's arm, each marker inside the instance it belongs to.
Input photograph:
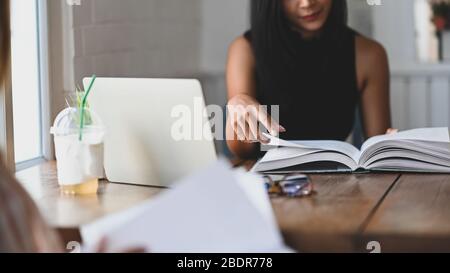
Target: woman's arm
(241, 87)
(374, 84)
(242, 129)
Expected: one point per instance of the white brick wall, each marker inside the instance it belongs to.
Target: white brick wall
(136, 38)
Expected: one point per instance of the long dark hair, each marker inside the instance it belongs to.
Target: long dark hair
(4, 38)
(275, 44)
(22, 228)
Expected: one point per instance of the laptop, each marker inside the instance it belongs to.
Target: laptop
(139, 116)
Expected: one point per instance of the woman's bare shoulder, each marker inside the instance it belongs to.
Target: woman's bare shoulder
(369, 50)
(371, 60)
(241, 47)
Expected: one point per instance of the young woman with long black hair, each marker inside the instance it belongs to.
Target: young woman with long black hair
(302, 56)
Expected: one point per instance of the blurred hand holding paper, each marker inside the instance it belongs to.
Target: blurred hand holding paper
(218, 210)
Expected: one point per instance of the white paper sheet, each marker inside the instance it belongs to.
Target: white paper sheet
(422, 134)
(309, 147)
(217, 210)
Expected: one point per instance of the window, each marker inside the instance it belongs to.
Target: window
(427, 41)
(25, 80)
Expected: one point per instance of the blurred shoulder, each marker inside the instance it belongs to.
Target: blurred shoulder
(369, 50)
(241, 43)
(241, 48)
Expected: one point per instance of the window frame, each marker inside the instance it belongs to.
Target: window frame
(7, 132)
(6, 122)
(44, 79)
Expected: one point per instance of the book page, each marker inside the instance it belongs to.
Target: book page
(309, 147)
(283, 153)
(278, 142)
(423, 134)
(316, 159)
(401, 165)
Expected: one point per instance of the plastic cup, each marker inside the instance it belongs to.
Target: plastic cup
(79, 162)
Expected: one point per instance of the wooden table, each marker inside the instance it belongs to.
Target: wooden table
(400, 213)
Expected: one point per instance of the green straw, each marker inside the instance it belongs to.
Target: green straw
(83, 106)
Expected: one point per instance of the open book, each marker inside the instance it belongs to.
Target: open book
(419, 150)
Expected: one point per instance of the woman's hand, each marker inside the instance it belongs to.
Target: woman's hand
(391, 131)
(245, 116)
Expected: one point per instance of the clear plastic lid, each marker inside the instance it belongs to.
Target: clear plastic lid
(68, 122)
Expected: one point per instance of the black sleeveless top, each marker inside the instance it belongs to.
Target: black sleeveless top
(317, 97)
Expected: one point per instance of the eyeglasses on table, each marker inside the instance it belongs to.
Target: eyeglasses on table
(290, 185)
